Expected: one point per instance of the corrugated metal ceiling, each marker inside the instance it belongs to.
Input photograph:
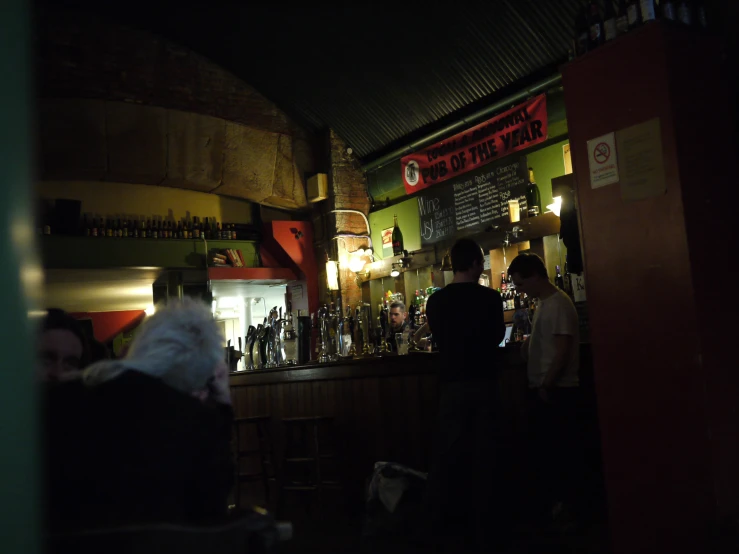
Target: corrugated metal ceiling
(378, 78)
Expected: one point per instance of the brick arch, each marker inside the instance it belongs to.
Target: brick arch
(121, 104)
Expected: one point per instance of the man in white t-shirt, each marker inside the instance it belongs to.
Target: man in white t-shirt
(552, 353)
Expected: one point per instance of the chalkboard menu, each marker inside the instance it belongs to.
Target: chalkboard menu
(474, 201)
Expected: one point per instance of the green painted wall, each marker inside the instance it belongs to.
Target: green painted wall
(20, 276)
(547, 164)
(408, 221)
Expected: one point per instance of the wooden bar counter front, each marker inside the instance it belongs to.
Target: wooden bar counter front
(383, 408)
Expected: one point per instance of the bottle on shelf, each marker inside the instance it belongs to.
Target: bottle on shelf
(558, 280)
(134, 229)
(108, 228)
(667, 10)
(219, 232)
(633, 13)
(648, 10)
(700, 14)
(610, 28)
(685, 12)
(533, 196)
(94, 230)
(125, 228)
(595, 26)
(503, 283)
(397, 237)
(581, 32)
(622, 17)
(196, 227)
(206, 229)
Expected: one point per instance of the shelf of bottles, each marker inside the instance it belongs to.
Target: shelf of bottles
(157, 228)
(594, 27)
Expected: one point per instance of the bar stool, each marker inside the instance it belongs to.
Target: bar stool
(263, 451)
(304, 449)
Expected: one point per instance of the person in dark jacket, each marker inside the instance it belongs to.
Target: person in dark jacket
(144, 439)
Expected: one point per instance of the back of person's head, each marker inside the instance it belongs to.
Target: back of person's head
(528, 265)
(180, 344)
(464, 254)
(62, 343)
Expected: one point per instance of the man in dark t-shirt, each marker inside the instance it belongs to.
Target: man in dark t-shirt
(466, 321)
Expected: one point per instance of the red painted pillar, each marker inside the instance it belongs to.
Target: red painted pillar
(660, 294)
(291, 243)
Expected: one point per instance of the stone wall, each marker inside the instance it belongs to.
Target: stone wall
(124, 105)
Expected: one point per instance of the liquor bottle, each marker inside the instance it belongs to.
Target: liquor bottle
(633, 13)
(533, 196)
(609, 24)
(135, 229)
(94, 230)
(196, 227)
(581, 32)
(126, 229)
(685, 13)
(290, 339)
(219, 232)
(109, 229)
(559, 281)
(233, 231)
(170, 230)
(648, 10)
(180, 231)
(595, 27)
(622, 18)
(503, 284)
(668, 10)
(397, 238)
(700, 14)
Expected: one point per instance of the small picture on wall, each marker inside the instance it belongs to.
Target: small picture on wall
(387, 238)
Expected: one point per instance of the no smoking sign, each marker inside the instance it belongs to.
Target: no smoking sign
(601, 153)
(602, 161)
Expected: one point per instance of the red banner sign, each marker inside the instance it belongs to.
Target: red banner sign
(506, 133)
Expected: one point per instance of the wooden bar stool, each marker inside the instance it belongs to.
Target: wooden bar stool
(305, 450)
(261, 449)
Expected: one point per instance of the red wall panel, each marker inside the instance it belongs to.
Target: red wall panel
(106, 325)
(658, 394)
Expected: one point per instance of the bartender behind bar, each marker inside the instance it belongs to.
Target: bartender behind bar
(397, 323)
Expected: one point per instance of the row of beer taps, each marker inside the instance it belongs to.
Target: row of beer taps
(263, 344)
(341, 333)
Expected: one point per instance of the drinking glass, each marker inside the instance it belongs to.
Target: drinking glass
(401, 341)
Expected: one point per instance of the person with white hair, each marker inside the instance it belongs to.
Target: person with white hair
(150, 440)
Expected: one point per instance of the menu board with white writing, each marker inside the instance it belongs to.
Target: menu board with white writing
(471, 203)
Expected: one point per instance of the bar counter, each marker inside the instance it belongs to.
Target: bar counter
(384, 408)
